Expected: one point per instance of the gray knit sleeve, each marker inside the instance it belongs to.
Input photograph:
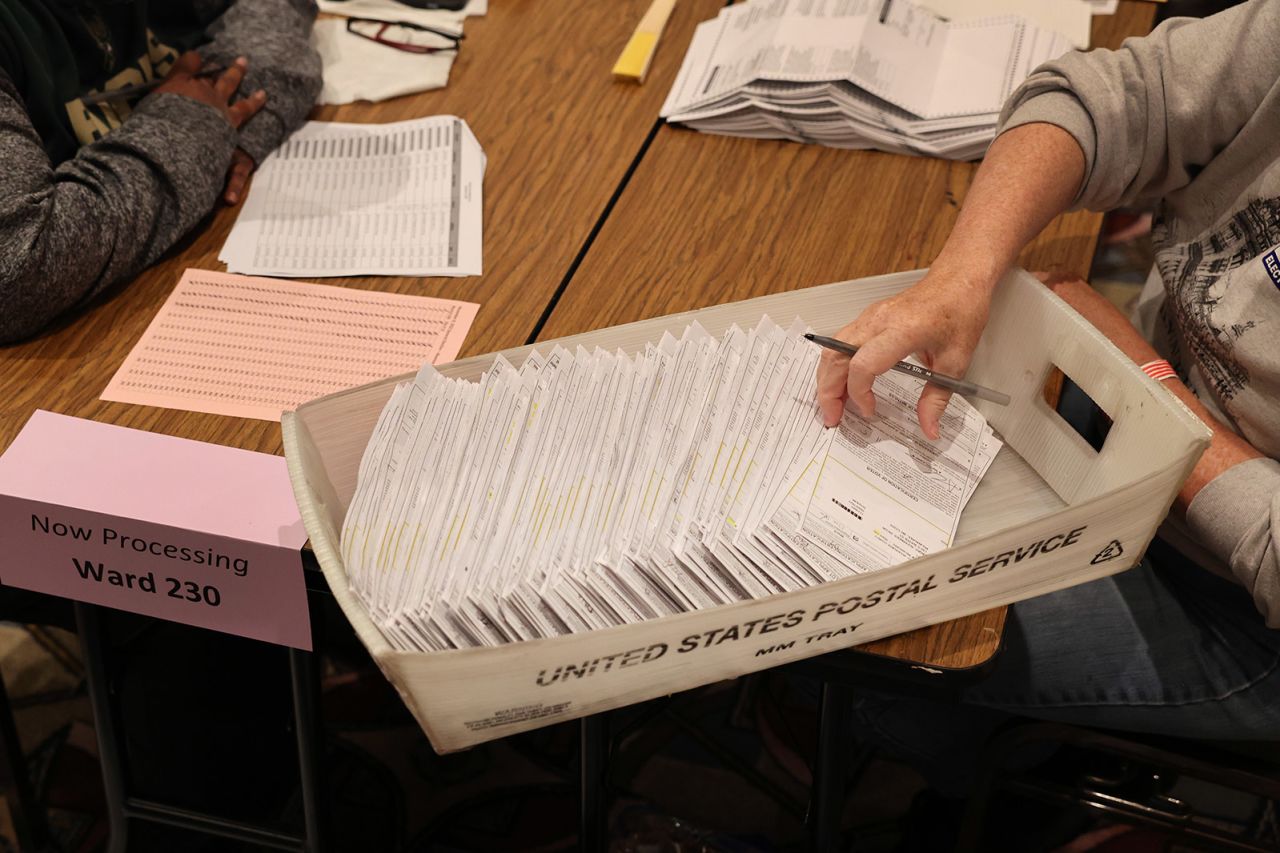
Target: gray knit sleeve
(1237, 516)
(101, 217)
(275, 36)
(1151, 115)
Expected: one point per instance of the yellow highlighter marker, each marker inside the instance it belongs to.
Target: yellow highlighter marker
(633, 64)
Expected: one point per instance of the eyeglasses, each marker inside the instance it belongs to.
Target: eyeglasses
(402, 35)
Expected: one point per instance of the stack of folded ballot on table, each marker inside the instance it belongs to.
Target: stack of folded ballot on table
(587, 489)
(882, 74)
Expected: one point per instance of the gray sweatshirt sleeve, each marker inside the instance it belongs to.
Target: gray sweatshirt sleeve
(1237, 516)
(96, 220)
(275, 36)
(68, 233)
(1183, 115)
(1152, 114)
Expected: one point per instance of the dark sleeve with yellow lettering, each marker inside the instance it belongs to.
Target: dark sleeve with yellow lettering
(69, 232)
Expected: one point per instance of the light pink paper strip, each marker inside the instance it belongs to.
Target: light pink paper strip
(254, 347)
(209, 534)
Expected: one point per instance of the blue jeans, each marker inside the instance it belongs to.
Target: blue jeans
(1165, 648)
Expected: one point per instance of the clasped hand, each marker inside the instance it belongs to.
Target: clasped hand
(218, 91)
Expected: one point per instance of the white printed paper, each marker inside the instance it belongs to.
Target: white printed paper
(364, 199)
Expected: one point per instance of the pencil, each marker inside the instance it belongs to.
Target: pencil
(143, 88)
(960, 386)
(633, 64)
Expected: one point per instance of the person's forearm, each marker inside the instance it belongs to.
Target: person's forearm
(97, 219)
(1030, 175)
(275, 37)
(1226, 450)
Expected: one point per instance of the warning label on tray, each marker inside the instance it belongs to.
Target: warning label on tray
(518, 714)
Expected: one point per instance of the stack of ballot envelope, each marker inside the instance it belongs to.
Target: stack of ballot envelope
(882, 74)
(583, 490)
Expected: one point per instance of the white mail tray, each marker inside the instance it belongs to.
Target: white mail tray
(1052, 512)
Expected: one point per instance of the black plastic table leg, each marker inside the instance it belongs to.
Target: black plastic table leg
(306, 713)
(828, 794)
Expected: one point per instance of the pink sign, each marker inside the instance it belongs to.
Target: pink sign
(176, 529)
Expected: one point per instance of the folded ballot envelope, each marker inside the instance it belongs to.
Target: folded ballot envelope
(1051, 512)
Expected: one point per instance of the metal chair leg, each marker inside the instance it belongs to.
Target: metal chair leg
(92, 641)
(120, 807)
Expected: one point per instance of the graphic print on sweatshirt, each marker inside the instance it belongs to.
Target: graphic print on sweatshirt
(1196, 275)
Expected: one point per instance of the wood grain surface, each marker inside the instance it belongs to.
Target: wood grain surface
(704, 220)
(533, 81)
(712, 219)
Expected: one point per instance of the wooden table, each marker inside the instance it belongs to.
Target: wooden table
(595, 214)
(532, 80)
(712, 219)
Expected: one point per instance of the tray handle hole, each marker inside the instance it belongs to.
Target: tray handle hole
(1076, 408)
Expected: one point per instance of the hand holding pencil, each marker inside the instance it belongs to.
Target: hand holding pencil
(139, 90)
(953, 383)
(939, 319)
